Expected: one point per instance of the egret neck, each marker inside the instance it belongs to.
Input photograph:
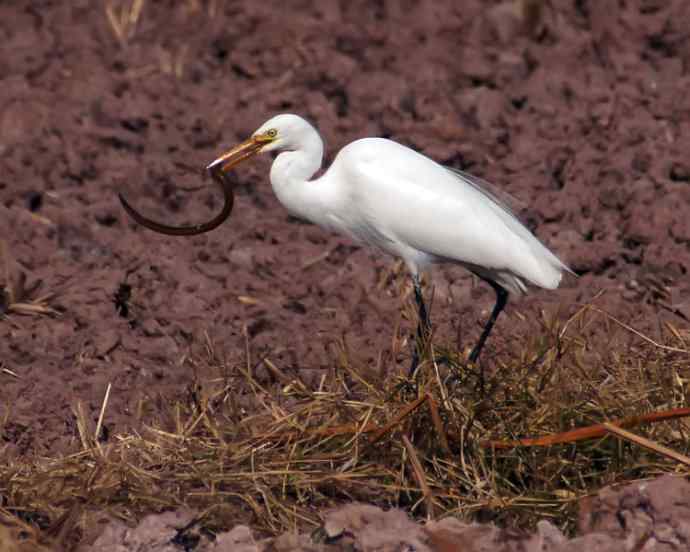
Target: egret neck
(290, 174)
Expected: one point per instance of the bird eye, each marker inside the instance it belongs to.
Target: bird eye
(272, 133)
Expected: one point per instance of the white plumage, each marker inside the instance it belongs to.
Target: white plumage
(390, 196)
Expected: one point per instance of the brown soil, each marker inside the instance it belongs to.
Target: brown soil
(582, 113)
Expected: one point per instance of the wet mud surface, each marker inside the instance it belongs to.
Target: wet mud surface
(583, 115)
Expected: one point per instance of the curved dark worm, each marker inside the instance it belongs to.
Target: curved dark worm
(226, 186)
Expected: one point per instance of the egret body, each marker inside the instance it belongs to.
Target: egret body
(387, 195)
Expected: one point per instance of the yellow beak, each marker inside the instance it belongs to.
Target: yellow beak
(239, 153)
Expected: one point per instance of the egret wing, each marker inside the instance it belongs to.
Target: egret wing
(427, 209)
(508, 202)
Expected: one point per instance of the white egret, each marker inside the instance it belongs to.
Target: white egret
(387, 195)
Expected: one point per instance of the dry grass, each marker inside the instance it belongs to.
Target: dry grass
(16, 297)
(238, 451)
(125, 19)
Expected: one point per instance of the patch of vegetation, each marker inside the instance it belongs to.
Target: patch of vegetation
(240, 452)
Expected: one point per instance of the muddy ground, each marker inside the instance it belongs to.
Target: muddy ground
(582, 113)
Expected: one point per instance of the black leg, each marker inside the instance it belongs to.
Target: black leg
(501, 300)
(423, 324)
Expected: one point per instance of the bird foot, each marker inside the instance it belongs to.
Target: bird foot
(460, 372)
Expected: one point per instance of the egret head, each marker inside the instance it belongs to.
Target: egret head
(286, 131)
(283, 132)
